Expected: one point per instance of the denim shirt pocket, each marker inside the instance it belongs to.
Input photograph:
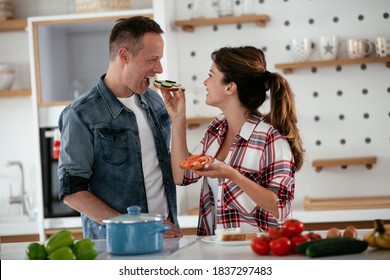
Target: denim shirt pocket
(114, 145)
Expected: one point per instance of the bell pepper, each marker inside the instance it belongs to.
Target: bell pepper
(84, 249)
(63, 238)
(62, 253)
(36, 251)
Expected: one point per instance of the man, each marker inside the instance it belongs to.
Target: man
(115, 138)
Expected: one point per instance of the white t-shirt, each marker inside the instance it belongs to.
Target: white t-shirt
(213, 183)
(155, 193)
(217, 192)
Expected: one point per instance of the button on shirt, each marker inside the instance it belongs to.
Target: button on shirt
(258, 152)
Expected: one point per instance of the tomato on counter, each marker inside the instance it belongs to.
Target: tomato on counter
(275, 232)
(260, 245)
(280, 246)
(295, 240)
(313, 236)
(292, 227)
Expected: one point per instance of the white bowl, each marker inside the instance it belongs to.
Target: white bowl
(7, 76)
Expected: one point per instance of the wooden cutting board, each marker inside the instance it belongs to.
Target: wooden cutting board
(365, 202)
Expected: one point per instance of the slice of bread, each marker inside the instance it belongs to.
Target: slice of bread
(233, 236)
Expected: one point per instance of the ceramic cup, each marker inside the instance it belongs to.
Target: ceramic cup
(329, 47)
(382, 47)
(223, 7)
(358, 48)
(301, 49)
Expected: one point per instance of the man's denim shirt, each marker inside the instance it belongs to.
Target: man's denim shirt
(100, 142)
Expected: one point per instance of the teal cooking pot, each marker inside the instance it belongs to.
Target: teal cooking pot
(134, 233)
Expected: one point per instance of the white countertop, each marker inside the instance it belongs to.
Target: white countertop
(22, 227)
(195, 248)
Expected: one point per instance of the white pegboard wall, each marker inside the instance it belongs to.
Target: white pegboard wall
(343, 111)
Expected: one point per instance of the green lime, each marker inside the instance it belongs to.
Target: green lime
(36, 251)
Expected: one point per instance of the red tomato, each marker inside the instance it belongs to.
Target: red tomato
(280, 246)
(313, 235)
(295, 240)
(260, 245)
(275, 232)
(292, 227)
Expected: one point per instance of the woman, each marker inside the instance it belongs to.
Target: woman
(251, 182)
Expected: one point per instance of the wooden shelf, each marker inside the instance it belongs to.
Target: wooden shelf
(13, 25)
(365, 202)
(15, 93)
(288, 67)
(196, 122)
(321, 163)
(189, 25)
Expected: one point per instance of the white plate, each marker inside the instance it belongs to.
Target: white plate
(213, 239)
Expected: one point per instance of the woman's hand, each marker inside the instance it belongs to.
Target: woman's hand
(216, 170)
(173, 231)
(175, 102)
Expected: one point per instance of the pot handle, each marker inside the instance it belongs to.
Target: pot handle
(161, 229)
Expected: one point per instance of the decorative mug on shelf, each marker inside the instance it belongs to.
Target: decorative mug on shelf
(301, 49)
(329, 47)
(382, 47)
(359, 48)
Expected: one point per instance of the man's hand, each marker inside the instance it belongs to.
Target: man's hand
(173, 231)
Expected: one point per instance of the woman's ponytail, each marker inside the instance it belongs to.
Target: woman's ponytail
(283, 115)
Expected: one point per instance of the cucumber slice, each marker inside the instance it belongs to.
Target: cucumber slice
(166, 84)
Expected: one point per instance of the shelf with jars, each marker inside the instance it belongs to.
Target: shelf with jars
(289, 67)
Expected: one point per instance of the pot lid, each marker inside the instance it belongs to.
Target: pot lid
(133, 215)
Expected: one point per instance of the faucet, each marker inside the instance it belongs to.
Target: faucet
(23, 197)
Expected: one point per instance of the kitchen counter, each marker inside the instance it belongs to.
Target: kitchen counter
(15, 226)
(195, 248)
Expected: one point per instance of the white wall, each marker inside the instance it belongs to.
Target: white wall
(194, 57)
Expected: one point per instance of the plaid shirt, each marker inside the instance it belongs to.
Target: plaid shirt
(258, 152)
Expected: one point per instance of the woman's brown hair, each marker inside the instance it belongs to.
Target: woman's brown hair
(246, 67)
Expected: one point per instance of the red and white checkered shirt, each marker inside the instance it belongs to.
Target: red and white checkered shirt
(260, 153)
